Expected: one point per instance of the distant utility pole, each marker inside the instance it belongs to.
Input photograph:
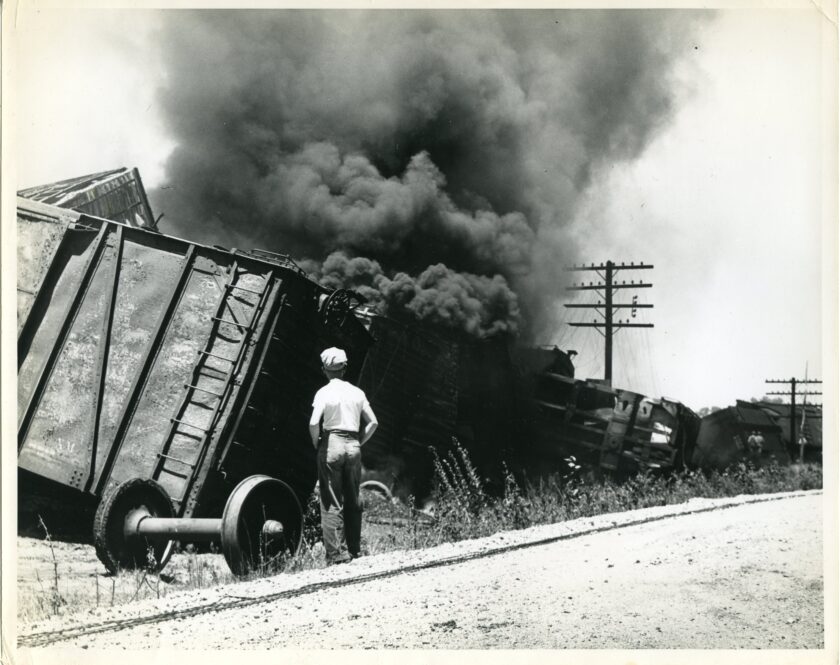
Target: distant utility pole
(791, 394)
(607, 289)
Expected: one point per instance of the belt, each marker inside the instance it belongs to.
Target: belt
(342, 431)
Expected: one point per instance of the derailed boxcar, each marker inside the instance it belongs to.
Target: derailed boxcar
(615, 430)
(428, 387)
(808, 424)
(117, 195)
(723, 438)
(520, 406)
(160, 374)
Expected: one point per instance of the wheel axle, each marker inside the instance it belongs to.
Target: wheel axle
(262, 520)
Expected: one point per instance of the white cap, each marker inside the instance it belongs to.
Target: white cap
(333, 358)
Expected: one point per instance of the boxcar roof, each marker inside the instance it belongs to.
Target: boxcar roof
(46, 211)
(118, 195)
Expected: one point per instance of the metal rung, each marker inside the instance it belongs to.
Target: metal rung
(204, 390)
(233, 323)
(194, 437)
(213, 355)
(183, 422)
(175, 459)
(230, 340)
(220, 376)
(242, 288)
(174, 473)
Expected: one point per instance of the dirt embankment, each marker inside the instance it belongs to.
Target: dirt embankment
(749, 576)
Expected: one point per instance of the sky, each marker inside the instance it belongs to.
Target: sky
(724, 199)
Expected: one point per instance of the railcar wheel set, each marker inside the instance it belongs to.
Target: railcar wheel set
(135, 526)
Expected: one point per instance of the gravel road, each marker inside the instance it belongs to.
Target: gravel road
(744, 577)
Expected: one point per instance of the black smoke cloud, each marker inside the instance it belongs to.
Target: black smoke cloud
(448, 149)
(475, 304)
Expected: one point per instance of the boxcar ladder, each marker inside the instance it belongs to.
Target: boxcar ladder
(186, 469)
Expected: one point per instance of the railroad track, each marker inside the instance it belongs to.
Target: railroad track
(230, 602)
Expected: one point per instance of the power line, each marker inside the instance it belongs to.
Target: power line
(791, 394)
(606, 309)
(653, 374)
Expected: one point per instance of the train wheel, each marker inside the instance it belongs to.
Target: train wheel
(373, 492)
(262, 523)
(109, 538)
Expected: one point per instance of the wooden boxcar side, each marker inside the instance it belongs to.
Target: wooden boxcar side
(143, 355)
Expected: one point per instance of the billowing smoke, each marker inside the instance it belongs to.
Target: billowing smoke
(440, 155)
(475, 304)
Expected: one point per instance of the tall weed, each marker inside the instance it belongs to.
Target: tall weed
(463, 509)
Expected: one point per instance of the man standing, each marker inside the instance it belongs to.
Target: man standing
(751, 443)
(759, 444)
(342, 421)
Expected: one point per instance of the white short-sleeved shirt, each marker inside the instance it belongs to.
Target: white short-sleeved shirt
(341, 405)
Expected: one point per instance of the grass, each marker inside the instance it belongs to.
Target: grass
(64, 578)
(463, 509)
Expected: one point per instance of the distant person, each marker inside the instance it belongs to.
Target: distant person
(341, 423)
(759, 444)
(803, 441)
(751, 442)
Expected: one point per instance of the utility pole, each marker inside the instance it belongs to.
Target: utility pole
(791, 394)
(607, 289)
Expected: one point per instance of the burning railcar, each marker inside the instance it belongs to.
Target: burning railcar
(505, 404)
(428, 388)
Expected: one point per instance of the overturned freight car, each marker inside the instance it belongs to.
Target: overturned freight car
(160, 374)
(723, 438)
(429, 387)
(117, 195)
(807, 441)
(614, 430)
(504, 404)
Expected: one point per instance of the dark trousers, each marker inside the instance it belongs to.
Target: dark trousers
(339, 475)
